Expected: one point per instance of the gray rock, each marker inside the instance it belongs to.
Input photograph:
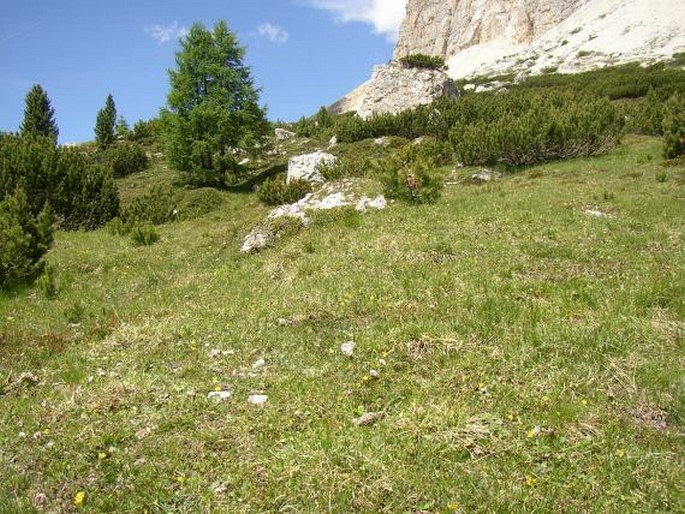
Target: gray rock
(306, 167)
(257, 399)
(220, 395)
(596, 214)
(347, 348)
(283, 135)
(486, 175)
(394, 88)
(365, 203)
(256, 240)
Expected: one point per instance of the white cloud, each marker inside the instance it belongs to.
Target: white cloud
(274, 33)
(165, 33)
(385, 15)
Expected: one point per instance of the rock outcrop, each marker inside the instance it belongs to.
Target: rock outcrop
(306, 167)
(445, 27)
(492, 37)
(395, 87)
(489, 37)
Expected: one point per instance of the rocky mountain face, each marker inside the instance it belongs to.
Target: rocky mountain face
(492, 37)
(393, 88)
(445, 27)
(486, 37)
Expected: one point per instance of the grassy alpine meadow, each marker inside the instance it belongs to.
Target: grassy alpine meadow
(518, 348)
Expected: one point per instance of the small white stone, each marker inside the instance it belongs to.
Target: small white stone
(347, 348)
(258, 364)
(28, 378)
(596, 214)
(374, 374)
(22, 435)
(257, 399)
(382, 362)
(220, 395)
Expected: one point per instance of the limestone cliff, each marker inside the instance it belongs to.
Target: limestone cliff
(445, 27)
(485, 37)
(491, 37)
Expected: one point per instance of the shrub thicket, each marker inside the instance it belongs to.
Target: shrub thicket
(146, 132)
(80, 194)
(275, 191)
(540, 127)
(644, 115)
(124, 158)
(432, 62)
(24, 238)
(674, 128)
(626, 81)
(157, 206)
(410, 175)
(319, 125)
(144, 234)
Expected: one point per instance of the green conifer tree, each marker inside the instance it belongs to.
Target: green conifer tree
(39, 116)
(105, 122)
(212, 106)
(123, 131)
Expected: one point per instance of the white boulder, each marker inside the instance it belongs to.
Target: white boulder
(283, 135)
(306, 167)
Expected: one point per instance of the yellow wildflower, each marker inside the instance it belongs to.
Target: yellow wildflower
(102, 455)
(78, 499)
(620, 454)
(531, 481)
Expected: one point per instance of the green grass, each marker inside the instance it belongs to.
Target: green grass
(501, 308)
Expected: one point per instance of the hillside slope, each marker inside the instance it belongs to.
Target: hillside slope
(526, 337)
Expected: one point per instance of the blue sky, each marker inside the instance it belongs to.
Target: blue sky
(303, 53)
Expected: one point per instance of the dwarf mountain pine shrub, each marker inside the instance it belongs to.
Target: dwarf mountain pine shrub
(432, 62)
(157, 206)
(144, 234)
(274, 191)
(124, 158)
(674, 128)
(537, 128)
(410, 176)
(24, 238)
(81, 194)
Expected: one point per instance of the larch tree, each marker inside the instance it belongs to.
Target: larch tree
(213, 106)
